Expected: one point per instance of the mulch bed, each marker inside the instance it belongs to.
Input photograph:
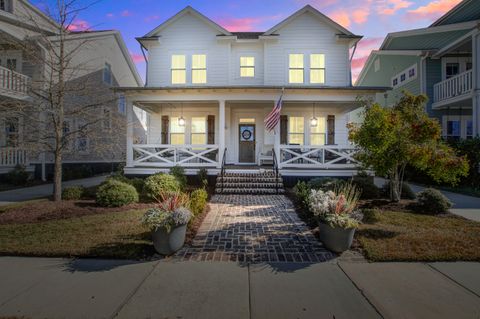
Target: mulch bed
(405, 205)
(49, 210)
(193, 227)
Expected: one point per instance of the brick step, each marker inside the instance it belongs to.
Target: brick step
(251, 191)
(259, 174)
(250, 185)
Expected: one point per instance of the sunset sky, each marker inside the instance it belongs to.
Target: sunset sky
(371, 18)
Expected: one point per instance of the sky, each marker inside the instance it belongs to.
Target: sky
(373, 19)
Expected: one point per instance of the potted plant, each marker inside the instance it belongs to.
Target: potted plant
(168, 223)
(337, 215)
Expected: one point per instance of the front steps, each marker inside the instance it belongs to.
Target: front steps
(255, 183)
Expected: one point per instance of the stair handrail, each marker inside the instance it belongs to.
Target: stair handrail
(222, 170)
(275, 169)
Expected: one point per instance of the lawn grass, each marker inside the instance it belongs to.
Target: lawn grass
(5, 208)
(404, 236)
(112, 235)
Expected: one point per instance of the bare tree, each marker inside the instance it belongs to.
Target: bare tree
(65, 85)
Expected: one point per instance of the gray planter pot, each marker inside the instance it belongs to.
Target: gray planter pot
(336, 239)
(166, 243)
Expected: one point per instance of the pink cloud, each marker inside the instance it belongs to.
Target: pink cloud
(390, 7)
(364, 48)
(151, 18)
(78, 25)
(245, 24)
(126, 13)
(110, 15)
(341, 17)
(433, 10)
(137, 57)
(360, 16)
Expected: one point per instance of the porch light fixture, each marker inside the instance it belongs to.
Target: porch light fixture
(313, 120)
(181, 120)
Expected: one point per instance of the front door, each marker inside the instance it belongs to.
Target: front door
(246, 143)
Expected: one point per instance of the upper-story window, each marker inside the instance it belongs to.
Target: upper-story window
(6, 5)
(122, 104)
(317, 68)
(295, 68)
(179, 71)
(407, 75)
(247, 66)
(107, 73)
(199, 69)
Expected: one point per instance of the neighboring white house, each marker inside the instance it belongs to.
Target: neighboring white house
(103, 58)
(209, 90)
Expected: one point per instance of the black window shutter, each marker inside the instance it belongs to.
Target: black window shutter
(165, 129)
(283, 129)
(211, 129)
(331, 129)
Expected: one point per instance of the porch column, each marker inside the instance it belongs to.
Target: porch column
(476, 83)
(221, 132)
(129, 159)
(276, 142)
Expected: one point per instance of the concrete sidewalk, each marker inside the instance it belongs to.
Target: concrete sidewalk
(463, 205)
(40, 191)
(63, 288)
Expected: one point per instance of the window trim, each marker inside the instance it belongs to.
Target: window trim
(324, 69)
(17, 133)
(242, 67)
(192, 69)
(290, 69)
(108, 67)
(184, 69)
(463, 119)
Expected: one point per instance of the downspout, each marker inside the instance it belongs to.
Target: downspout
(351, 59)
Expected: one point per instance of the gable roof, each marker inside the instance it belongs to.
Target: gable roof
(315, 13)
(467, 10)
(192, 11)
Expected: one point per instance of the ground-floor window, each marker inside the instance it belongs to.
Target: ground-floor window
(318, 132)
(177, 132)
(12, 131)
(296, 130)
(199, 131)
(456, 127)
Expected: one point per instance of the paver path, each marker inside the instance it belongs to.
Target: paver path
(248, 228)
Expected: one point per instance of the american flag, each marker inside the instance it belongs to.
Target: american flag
(273, 117)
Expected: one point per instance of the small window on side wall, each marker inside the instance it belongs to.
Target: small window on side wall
(6, 5)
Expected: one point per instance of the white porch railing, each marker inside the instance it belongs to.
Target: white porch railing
(13, 82)
(163, 155)
(453, 87)
(317, 157)
(12, 156)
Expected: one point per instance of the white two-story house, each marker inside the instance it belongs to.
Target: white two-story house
(209, 90)
(103, 60)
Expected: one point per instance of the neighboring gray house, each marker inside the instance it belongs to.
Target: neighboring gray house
(105, 60)
(441, 61)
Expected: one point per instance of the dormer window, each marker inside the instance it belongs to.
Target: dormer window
(295, 70)
(179, 71)
(6, 5)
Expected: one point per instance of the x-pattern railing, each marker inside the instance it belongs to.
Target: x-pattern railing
(164, 155)
(327, 156)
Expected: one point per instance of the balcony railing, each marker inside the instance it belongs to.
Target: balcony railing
(453, 87)
(13, 82)
(13, 156)
(317, 157)
(164, 155)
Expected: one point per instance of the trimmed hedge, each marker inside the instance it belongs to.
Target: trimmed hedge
(198, 200)
(432, 201)
(158, 184)
(73, 193)
(113, 193)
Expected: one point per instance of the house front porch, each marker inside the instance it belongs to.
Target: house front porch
(213, 131)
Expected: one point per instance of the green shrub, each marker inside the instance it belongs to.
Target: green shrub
(368, 188)
(17, 176)
(202, 176)
(73, 193)
(179, 173)
(160, 183)
(325, 183)
(113, 193)
(370, 216)
(432, 201)
(407, 192)
(302, 192)
(198, 200)
(136, 182)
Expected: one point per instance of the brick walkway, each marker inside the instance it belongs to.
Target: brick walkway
(246, 228)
